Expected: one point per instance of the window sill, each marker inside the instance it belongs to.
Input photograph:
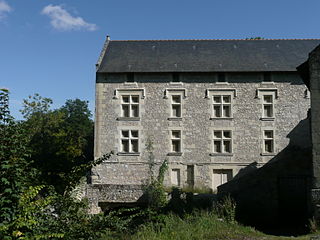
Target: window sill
(221, 118)
(175, 118)
(176, 83)
(174, 154)
(267, 119)
(268, 83)
(221, 154)
(222, 83)
(128, 154)
(268, 154)
(128, 118)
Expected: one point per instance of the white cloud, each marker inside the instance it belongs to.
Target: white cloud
(64, 21)
(4, 9)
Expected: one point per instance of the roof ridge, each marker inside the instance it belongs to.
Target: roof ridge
(168, 40)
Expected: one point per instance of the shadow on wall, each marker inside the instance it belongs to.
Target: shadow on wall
(275, 198)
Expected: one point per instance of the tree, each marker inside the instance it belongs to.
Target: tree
(61, 140)
(16, 173)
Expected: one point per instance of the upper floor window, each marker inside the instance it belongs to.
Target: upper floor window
(176, 106)
(268, 106)
(221, 106)
(130, 106)
(176, 141)
(129, 141)
(222, 141)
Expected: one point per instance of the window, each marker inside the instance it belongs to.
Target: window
(268, 106)
(176, 141)
(220, 176)
(222, 141)
(130, 106)
(176, 106)
(175, 177)
(268, 141)
(190, 176)
(129, 141)
(221, 106)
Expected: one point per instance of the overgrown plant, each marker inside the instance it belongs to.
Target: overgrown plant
(155, 191)
(226, 209)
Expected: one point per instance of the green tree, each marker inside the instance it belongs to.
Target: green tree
(16, 173)
(61, 140)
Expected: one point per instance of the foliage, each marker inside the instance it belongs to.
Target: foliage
(226, 209)
(61, 140)
(16, 173)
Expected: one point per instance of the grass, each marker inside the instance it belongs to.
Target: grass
(196, 226)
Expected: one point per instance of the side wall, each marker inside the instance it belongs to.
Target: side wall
(291, 107)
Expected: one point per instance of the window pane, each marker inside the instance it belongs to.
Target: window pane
(216, 111)
(267, 111)
(227, 146)
(268, 146)
(125, 145)
(135, 134)
(175, 134)
(268, 134)
(267, 98)
(226, 99)
(217, 134)
(226, 111)
(176, 111)
(134, 146)
(176, 145)
(134, 110)
(125, 99)
(125, 110)
(135, 99)
(125, 133)
(227, 134)
(176, 99)
(217, 146)
(217, 99)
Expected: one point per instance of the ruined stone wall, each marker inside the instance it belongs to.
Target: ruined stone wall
(291, 105)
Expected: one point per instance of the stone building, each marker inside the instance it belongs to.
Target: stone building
(213, 108)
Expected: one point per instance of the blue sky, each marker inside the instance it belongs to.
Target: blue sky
(50, 47)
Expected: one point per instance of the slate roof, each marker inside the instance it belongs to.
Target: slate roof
(205, 55)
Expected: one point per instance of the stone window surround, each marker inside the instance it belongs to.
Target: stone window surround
(260, 93)
(170, 152)
(225, 154)
(263, 153)
(211, 92)
(168, 93)
(119, 92)
(118, 140)
(212, 168)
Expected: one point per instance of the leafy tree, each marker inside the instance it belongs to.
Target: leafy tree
(16, 173)
(61, 140)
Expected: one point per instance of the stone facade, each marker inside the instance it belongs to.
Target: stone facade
(196, 124)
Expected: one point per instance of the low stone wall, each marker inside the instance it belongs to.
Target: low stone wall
(110, 193)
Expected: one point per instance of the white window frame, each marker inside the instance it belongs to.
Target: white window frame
(260, 94)
(221, 104)
(130, 138)
(265, 138)
(222, 139)
(176, 104)
(168, 94)
(221, 92)
(130, 104)
(173, 138)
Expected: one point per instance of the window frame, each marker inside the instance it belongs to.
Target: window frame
(130, 138)
(222, 139)
(260, 94)
(272, 139)
(173, 138)
(130, 104)
(221, 92)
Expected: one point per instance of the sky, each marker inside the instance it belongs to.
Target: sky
(50, 47)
